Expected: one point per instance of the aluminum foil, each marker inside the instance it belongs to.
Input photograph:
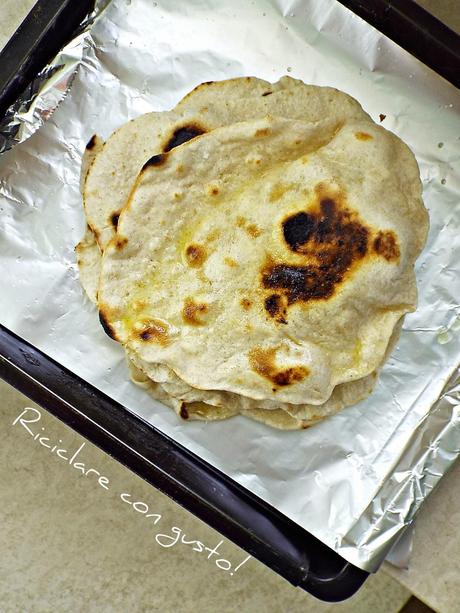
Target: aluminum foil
(356, 480)
(43, 95)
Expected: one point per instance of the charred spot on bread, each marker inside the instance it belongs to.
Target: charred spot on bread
(108, 329)
(155, 160)
(92, 142)
(182, 135)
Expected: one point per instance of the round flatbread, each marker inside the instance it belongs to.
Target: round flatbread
(201, 411)
(269, 259)
(343, 395)
(108, 180)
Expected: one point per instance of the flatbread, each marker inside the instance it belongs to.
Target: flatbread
(186, 410)
(343, 395)
(87, 250)
(210, 105)
(201, 411)
(113, 166)
(264, 197)
(89, 263)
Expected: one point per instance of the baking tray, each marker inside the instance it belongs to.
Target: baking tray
(239, 515)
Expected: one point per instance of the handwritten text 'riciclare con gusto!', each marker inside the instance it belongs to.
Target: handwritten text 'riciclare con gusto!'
(30, 420)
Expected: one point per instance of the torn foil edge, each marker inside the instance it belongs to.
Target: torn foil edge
(46, 91)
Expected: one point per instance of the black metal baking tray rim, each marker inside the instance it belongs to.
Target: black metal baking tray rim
(222, 503)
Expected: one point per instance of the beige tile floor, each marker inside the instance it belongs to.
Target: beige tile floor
(447, 11)
(69, 545)
(12, 12)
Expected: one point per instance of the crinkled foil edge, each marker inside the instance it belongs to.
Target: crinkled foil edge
(46, 91)
(430, 452)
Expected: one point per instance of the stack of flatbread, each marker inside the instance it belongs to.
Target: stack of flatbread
(252, 250)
